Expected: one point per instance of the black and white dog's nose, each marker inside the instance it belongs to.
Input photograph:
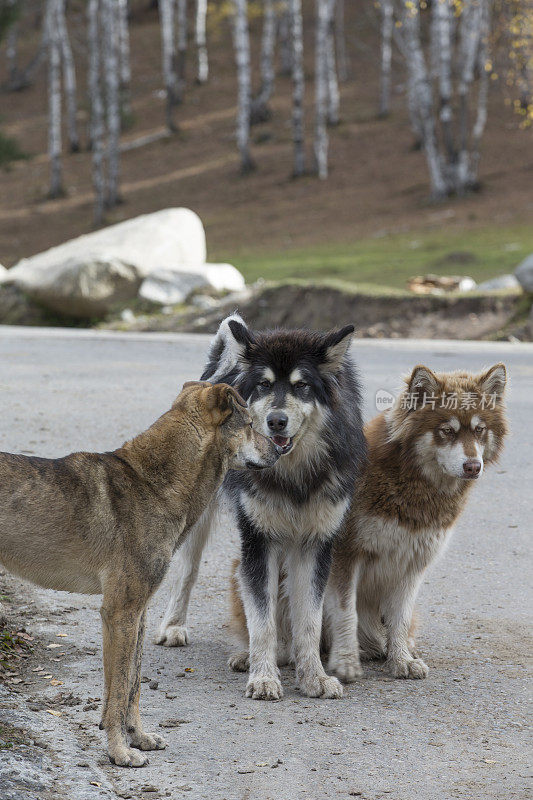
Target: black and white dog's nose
(277, 421)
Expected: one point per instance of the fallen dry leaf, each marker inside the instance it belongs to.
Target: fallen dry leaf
(52, 645)
(53, 712)
(54, 682)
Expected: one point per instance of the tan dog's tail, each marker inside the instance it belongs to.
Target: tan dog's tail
(237, 616)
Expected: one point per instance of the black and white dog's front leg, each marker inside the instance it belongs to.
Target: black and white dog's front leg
(259, 579)
(172, 631)
(308, 570)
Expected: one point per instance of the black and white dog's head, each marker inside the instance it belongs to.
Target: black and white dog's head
(289, 378)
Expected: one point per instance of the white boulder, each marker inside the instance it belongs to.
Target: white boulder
(168, 287)
(499, 283)
(524, 274)
(88, 275)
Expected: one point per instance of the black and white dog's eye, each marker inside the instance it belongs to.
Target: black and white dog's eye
(264, 383)
(300, 385)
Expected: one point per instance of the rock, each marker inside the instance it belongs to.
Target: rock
(501, 282)
(170, 287)
(153, 685)
(524, 274)
(87, 276)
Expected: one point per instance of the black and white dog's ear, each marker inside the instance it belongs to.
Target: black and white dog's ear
(227, 349)
(337, 344)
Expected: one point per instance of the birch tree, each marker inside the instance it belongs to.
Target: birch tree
(298, 87)
(182, 46)
(441, 100)
(387, 22)
(124, 56)
(201, 41)
(168, 51)
(96, 108)
(54, 98)
(69, 78)
(111, 82)
(260, 111)
(331, 67)
(241, 38)
(324, 10)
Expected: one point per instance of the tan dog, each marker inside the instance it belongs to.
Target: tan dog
(110, 522)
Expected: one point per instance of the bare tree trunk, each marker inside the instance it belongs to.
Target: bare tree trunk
(321, 88)
(111, 78)
(201, 41)
(483, 93)
(168, 47)
(468, 46)
(284, 28)
(421, 96)
(69, 79)
(96, 108)
(442, 13)
(242, 57)
(340, 42)
(182, 46)
(387, 23)
(260, 111)
(333, 85)
(298, 90)
(54, 99)
(124, 56)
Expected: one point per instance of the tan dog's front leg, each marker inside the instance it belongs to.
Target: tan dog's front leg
(138, 737)
(121, 627)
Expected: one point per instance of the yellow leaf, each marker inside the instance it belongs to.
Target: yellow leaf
(53, 712)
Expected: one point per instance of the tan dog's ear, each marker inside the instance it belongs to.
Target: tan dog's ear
(223, 400)
(188, 386)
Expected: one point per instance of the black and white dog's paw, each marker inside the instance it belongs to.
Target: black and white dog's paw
(324, 686)
(172, 636)
(264, 688)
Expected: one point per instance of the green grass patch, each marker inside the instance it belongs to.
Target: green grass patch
(10, 150)
(389, 261)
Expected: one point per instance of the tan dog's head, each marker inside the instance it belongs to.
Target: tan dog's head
(221, 407)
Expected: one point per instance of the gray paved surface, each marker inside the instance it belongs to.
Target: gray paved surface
(460, 734)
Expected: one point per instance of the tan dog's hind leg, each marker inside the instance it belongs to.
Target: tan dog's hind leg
(138, 737)
(121, 628)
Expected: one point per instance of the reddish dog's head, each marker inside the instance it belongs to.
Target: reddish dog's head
(451, 424)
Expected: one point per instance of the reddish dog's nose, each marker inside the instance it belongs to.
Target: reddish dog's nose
(472, 468)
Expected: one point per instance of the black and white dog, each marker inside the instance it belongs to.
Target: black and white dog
(303, 392)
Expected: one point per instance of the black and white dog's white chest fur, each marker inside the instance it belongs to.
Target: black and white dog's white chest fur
(303, 392)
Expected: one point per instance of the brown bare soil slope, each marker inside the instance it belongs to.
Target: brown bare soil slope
(377, 184)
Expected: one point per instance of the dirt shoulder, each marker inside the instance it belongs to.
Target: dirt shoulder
(493, 317)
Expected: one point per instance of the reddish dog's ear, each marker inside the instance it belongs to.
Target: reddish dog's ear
(422, 383)
(493, 381)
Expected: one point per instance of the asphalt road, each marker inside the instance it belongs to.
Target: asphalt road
(462, 733)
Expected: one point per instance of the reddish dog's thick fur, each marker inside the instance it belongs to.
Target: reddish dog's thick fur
(424, 455)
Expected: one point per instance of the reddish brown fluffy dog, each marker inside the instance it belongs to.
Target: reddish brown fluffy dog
(425, 454)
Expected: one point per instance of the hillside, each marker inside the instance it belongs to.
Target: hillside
(373, 205)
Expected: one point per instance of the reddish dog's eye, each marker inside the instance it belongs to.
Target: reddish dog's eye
(447, 431)
(479, 428)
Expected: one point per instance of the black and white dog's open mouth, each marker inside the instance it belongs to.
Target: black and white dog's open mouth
(283, 443)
